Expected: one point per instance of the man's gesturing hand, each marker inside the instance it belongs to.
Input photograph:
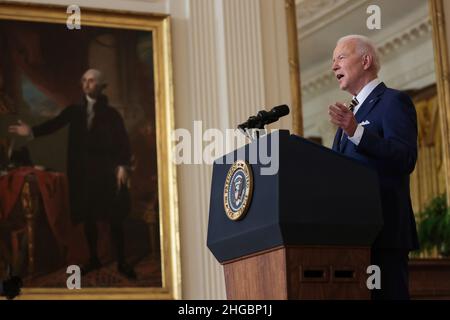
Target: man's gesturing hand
(343, 117)
(21, 129)
(122, 177)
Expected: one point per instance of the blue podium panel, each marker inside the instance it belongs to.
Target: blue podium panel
(306, 195)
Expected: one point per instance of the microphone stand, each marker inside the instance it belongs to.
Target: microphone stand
(253, 134)
(254, 129)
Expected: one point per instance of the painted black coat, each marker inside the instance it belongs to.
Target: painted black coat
(92, 159)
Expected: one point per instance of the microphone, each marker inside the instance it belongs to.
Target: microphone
(264, 117)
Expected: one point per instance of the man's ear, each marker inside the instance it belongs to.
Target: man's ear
(367, 61)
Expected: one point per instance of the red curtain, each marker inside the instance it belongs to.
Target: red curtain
(50, 56)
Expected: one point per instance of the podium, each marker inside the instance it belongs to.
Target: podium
(290, 219)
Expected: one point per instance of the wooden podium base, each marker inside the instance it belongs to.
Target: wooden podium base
(299, 272)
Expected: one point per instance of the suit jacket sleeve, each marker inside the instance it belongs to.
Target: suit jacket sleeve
(52, 125)
(396, 150)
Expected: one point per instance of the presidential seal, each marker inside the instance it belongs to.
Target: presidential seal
(238, 190)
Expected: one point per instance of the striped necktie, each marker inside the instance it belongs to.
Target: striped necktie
(351, 107)
(353, 104)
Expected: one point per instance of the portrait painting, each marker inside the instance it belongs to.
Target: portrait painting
(88, 186)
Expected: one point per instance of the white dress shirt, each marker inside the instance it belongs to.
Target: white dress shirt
(90, 110)
(361, 97)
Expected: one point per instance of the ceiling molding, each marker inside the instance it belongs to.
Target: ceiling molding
(313, 15)
(401, 81)
(388, 46)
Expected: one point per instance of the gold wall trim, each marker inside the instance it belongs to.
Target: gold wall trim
(294, 67)
(442, 79)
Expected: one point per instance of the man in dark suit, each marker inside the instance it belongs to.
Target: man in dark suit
(97, 161)
(379, 128)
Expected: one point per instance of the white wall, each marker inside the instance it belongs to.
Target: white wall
(229, 60)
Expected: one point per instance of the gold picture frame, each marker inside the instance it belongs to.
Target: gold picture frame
(441, 60)
(159, 27)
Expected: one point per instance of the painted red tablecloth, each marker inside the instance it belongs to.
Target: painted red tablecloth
(54, 192)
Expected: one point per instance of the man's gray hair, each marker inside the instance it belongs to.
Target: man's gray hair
(98, 76)
(364, 46)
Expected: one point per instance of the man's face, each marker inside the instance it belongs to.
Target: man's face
(90, 84)
(348, 67)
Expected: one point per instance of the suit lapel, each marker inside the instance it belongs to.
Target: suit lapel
(340, 144)
(370, 102)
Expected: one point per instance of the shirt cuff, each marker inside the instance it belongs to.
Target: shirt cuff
(356, 139)
(126, 168)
